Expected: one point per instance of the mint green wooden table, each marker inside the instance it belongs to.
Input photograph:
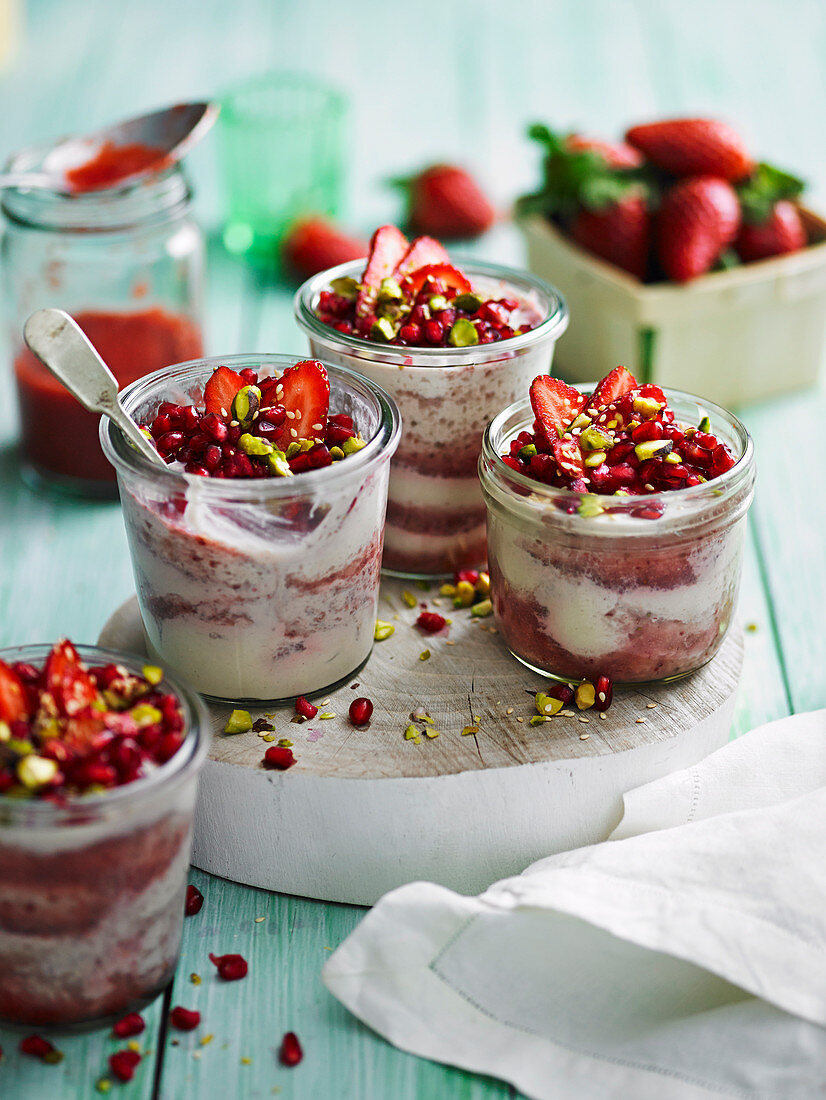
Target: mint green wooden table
(428, 81)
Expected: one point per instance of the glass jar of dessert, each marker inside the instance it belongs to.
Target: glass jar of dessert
(257, 549)
(452, 347)
(615, 528)
(99, 761)
(126, 262)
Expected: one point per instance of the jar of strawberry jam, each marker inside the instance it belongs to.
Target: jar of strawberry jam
(127, 263)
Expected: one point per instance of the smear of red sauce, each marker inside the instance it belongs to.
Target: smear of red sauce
(58, 434)
(113, 163)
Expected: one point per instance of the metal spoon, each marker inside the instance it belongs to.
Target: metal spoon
(61, 345)
(172, 131)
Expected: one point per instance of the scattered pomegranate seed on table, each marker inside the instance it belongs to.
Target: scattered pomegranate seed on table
(194, 901)
(230, 967)
(123, 1064)
(305, 708)
(131, 1024)
(38, 1047)
(361, 711)
(290, 1053)
(184, 1019)
(430, 622)
(280, 757)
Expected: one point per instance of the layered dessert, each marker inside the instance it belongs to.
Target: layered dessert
(452, 346)
(257, 552)
(98, 770)
(615, 528)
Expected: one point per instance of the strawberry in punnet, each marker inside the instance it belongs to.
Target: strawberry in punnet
(306, 394)
(783, 231)
(555, 404)
(314, 244)
(14, 704)
(423, 252)
(448, 202)
(616, 154)
(220, 389)
(388, 246)
(699, 217)
(619, 232)
(693, 147)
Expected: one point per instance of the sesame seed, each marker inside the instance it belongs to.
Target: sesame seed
(582, 718)
(233, 423)
(317, 427)
(519, 718)
(604, 717)
(450, 643)
(584, 736)
(293, 433)
(224, 413)
(509, 710)
(259, 919)
(651, 705)
(640, 721)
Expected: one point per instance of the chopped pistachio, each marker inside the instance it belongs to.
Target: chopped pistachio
(595, 458)
(547, 704)
(705, 425)
(468, 303)
(293, 449)
(463, 334)
(246, 404)
(353, 444)
(673, 458)
(383, 329)
(35, 771)
(409, 598)
(277, 464)
(653, 448)
(336, 454)
(5, 731)
(254, 445)
(285, 743)
(238, 722)
(424, 655)
(468, 730)
(483, 584)
(647, 407)
(538, 719)
(431, 733)
(465, 593)
(412, 734)
(345, 287)
(528, 451)
(590, 507)
(582, 421)
(146, 715)
(585, 695)
(437, 303)
(325, 717)
(447, 590)
(389, 290)
(482, 609)
(592, 439)
(153, 674)
(382, 630)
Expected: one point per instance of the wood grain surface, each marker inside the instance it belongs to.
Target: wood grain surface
(460, 83)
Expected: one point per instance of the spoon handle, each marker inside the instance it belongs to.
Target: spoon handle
(63, 348)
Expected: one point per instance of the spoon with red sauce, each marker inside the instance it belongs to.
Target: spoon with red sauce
(117, 155)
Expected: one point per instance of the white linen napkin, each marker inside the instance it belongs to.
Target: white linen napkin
(683, 958)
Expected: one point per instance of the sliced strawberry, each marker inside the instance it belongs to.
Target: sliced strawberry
(612, 387)
(220, 390)
(450, 277)
(67, 680)
(14, 704)
(387, 247)
(79, 733)
(306, 393)
(422, 252)
(555, 404)
(568, 457)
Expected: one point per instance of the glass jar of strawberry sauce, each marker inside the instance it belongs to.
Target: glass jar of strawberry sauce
(127, 263)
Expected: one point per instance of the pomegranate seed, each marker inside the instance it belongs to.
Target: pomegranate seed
(212, 457)
(411, 333)
(469, 576)
(563, 692)
(194, 901)
(168, 746)
(169, 442)
(36, 1047)
(290, 1053)
(361, 711)
(249, 375)
(434, 332)
(123, 1064)
(131, 1024)
(275, 415)
(266, 429)
(230, 967)
(305, 708)
(279, 756)
(430, 622)
(185, 1019)
(189, 418)
(213, 426)
(161, 425)
(336, 434)
(604, 693)
(233, 434)
(344, 326)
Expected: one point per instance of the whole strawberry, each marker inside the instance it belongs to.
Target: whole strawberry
(619, 232)
(783, 231)
(447, 202)
(698, 218)
(616, 154)
(315, 243)
(693, 147)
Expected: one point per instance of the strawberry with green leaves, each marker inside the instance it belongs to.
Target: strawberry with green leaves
(693, 147)
(698, 219)
(772, 224)
(448, 202)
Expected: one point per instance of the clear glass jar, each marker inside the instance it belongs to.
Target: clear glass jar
(446, 396)
(263, 588)
(127, 263)
(605, 589)
(92, 891)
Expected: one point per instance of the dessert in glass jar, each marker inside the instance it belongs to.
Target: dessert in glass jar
(256, 550)
(99, 760)
(615, 528)
(452, 347)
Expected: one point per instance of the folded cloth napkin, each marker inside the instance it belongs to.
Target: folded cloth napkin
(683, 958)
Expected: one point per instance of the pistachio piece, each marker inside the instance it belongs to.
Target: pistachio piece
(246, 404)
(465, 593)
(253, 445)
(153, 674)
(336, 454)
(592, 439)
(437, 303)
(482, 609)
(705, 425)
(585, 695)
(528, 451)
(589, 507)
(595, 458)
(353, 444)
(390, 291)
(582, 421)
(277, 464)
(412, 734)
(382, 630)
(653, 448)
(468, 303)
(5, 731)
(447, 590)
(383, 329)
(673, 458)
(238, 722)
(463, 334)
(647, 407)
(35, 771)
(483, 584)
(145, 714)
(345, 287)
(538, 719)
(547, 704)
(19, 747)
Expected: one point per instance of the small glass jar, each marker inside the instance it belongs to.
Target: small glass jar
(446, 396)
(263, 588)
(638, 588)
(127, 263)
(92, 891)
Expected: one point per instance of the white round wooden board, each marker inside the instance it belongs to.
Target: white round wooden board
(364, 810)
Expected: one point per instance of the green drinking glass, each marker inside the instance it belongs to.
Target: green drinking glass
(281, 145)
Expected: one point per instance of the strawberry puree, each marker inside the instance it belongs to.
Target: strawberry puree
(58, 435)
(113, 163)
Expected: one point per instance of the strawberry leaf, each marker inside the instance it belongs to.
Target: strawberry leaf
(764, 187)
